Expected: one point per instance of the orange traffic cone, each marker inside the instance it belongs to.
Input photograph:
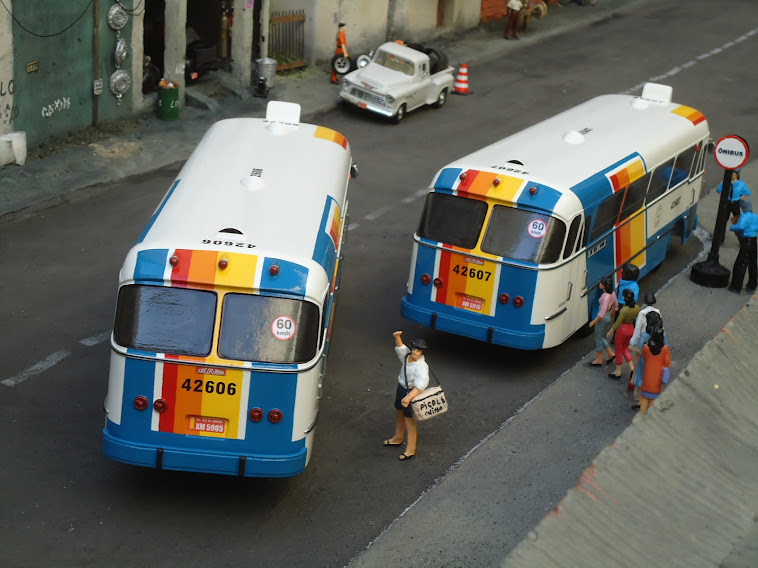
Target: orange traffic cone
(461, 81)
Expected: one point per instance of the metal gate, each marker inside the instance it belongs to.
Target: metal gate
(287, 39)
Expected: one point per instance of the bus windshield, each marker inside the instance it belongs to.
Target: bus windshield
(524, 235)
(452, 220)
(268, 329)
(165, 320)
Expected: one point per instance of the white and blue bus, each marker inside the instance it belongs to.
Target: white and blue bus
(514, 238)
(226, 300)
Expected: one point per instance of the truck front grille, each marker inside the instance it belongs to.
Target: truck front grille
(367, 96)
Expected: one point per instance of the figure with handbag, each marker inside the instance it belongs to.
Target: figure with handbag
(412, 380)
(657, 361)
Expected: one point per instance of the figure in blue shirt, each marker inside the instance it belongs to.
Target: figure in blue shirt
(738, 191)
(628, 280)
(746, 229)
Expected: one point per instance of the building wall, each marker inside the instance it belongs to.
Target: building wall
(493, 10)
(8, 109)
(57, 98)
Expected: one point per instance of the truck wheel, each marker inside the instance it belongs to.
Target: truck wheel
(441, 99)
(437, 59)
(342, 65)
(399, 115)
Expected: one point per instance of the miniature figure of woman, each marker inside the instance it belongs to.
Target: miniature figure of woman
(608, 306)
(624, 328)
(657, 358)
(413, 378)
(653, 323)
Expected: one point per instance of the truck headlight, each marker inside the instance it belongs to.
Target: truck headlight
(345, 84)
(390, 99)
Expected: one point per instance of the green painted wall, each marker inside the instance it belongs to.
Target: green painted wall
(58, 98)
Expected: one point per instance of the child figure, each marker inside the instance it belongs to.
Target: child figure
(657, 359)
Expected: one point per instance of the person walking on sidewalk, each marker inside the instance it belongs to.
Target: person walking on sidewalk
(639, 326)
(657, 361)
(608, 306)
(747, 229)
(653, 324)
(413, 378)
(624, 328)
(512, 19)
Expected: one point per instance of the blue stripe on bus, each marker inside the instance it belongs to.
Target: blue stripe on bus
(447, 178)
(152, 219)
(150, 266)
(291, 277)
(544, 198)
(324, 252)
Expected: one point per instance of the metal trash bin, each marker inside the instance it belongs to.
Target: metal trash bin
(168, 103)
(266, 68)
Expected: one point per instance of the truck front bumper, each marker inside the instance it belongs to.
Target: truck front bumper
(384, 111)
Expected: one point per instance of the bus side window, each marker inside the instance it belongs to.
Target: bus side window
(586, 231)
(660, 181)
(700, 159)
(573, 231)
(635, 196)
(607, 215)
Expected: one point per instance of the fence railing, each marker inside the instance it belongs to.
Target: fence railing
(286, 39)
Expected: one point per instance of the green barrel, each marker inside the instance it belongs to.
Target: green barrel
(168, 103)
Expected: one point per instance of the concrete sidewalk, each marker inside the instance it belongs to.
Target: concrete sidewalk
(154, 143)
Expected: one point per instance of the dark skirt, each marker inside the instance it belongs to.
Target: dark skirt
(399, 396)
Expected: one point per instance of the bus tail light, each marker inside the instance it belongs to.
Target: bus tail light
(256, 414)
(273, 270)
(425, 279)
(223, 263)
(160, 405)
(140, 403)
(275, 416)
(503, 298)
(438, 282)
(518, 301)
(174, 260)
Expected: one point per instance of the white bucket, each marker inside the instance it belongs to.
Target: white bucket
(18, 143)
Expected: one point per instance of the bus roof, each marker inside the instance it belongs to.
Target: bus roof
(265, 182)
(570, 147)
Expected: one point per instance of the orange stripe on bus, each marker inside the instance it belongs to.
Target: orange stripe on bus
(694, 116)
(331, 135)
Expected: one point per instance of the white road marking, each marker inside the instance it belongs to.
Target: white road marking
(43, 365)
(95, 339)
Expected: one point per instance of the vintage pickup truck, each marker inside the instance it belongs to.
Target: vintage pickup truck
(398, 79)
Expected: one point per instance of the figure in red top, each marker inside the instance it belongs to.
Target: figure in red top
(657, 360)
(340, 52)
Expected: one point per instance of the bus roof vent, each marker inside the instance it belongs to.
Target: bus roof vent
(573, 137)
(282, 117)
(252, 183)
(657, 93)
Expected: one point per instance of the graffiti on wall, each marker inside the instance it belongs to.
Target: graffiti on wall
(8, 111)
(56, 106)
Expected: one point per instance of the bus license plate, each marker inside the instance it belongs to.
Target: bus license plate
(469, 303)
(204, 424)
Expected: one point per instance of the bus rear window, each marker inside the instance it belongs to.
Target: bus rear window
(452, 220)
(524, 235)
(165, 320)
(268, 329)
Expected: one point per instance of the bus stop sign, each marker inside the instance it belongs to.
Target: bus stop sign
(731, 152)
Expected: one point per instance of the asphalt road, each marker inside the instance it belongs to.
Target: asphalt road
(59, 281)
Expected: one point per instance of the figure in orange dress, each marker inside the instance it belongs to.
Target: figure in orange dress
(340, 50)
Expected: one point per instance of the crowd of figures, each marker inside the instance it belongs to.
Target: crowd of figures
(638, 338)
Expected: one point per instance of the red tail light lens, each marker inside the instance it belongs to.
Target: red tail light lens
(273, 270)
(223, 263)
(437, 282)
(256, 414)
(503, 298)
(160, 405)
(425, 279)
(518, 301)
(275, 416)
(140, 403)
(174, 260)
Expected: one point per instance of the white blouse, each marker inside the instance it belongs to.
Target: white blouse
(418, 371)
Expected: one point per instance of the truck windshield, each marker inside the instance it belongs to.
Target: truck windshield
(393, 62)
(268, 329)
(524, 235)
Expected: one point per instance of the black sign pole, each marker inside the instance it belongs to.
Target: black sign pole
(709, 272)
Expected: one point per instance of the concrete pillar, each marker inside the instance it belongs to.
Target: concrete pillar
(242, 41)
(137, 53)
(176, 43)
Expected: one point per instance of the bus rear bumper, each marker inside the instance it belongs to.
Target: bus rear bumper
(482, 332)
(203, 461)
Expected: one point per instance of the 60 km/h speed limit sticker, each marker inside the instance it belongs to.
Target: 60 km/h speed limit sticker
(283, 328)
(537, 228)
